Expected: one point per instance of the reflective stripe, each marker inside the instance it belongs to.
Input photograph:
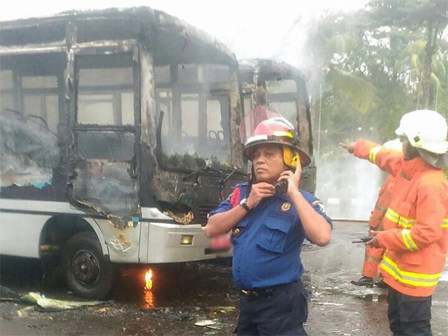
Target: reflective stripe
(408, 241)
(373, 152)
(414, 279)
(396, 218)
(283, 133)
(406, 223)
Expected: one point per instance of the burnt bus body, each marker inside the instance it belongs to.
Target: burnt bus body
(283, 87)
(119, 133)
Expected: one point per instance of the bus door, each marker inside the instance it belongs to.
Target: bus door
(106, 133)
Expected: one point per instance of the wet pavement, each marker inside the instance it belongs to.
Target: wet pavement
(203, 291)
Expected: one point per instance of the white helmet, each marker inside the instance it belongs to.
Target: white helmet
(425, 129)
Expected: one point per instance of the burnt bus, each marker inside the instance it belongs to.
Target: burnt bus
(118, 134)
(283, 87)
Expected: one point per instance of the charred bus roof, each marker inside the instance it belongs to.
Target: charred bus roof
(269, 69)
(139, 23)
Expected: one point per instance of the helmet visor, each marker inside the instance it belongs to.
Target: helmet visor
(253, 118)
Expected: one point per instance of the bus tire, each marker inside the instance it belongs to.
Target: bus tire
(87, 272)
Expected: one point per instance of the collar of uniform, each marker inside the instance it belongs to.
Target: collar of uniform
(415, 166)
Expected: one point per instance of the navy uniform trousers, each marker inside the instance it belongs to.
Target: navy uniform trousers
(279, 310)
(409, 315)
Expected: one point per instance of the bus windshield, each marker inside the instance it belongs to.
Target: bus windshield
(194, 100)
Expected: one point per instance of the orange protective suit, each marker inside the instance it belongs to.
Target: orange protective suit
(415, 224)
(374, 255)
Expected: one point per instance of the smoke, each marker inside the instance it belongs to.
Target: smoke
(348, 186)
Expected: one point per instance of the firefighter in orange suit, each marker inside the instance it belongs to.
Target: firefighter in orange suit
(373, 255)
(415, 232)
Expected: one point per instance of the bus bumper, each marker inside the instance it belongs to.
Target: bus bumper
(171, 243)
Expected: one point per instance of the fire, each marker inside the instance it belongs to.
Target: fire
(148, 279)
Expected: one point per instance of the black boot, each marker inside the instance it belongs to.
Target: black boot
(381, 284)
(364, 281)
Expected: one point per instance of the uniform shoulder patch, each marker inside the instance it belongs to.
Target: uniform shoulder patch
(320, 205)
(234, 197)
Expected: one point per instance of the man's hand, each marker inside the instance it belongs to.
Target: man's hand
(258, 192)
(374, 241)
(292, 178)
(350, 147)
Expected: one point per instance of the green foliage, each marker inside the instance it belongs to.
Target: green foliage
(359, 92)
(377, 64)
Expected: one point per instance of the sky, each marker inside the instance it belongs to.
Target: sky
(250, 28)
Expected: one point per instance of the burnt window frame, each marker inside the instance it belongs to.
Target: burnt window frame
(31, 70)
(135, 129)
(179, 88)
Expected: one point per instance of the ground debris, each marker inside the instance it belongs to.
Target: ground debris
(212, 324)
(25, 312)
(205, 323)
(55, 305)
(168, 313)
(221, 309)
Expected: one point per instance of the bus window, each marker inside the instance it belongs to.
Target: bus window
(30, 86)
(282, 95)
(281, 86)
(105, 98)
(40, 98)
(196, 111)
(217, 125)
(247, 102)
(190, 117)
(164, 103)
(105, 94)
(30, 91)
(287, 109)
(110, 146)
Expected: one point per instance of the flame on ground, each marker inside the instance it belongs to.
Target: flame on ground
(148, 279)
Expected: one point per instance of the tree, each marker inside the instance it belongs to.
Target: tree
(428, 16)
(329, 40)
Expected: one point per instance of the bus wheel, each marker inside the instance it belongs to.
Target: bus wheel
(87, 272)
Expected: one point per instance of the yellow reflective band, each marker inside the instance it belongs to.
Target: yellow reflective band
(445, 223)
(373, 152)
(414, 279)
(408, 241)
(283, 133)
(396, 218)
(392, 215)
(406, 222)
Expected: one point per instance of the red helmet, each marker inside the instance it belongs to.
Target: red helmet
(277, 131)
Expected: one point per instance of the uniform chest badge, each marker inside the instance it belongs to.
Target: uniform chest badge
(286, 206)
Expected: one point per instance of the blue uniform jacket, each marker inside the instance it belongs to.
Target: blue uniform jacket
(268, 240)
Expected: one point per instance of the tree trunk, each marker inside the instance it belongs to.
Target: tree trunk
(426, 78)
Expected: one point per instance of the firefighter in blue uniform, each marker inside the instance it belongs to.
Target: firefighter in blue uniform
(268, 229)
